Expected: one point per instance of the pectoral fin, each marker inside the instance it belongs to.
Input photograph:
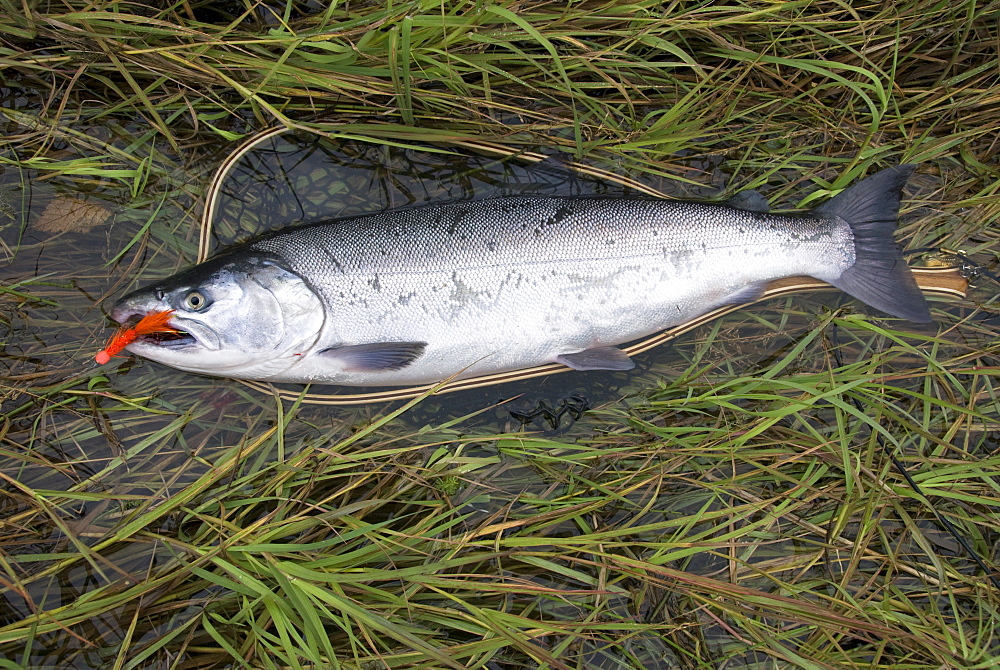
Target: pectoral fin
(598, 358)
(377, 356)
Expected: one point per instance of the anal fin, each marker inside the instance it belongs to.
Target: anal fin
(598, 358)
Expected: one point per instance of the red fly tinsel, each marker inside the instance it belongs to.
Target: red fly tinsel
(154, 322)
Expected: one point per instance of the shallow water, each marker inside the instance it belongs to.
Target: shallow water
(146, 433)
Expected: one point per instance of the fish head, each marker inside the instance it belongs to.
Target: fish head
(243, 315)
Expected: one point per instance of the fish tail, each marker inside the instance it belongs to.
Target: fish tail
(880, 276)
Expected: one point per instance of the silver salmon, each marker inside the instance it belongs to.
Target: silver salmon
(470, 288)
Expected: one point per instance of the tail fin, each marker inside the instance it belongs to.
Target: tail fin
(879, 276)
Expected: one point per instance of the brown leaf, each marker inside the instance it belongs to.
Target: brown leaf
(71, 215)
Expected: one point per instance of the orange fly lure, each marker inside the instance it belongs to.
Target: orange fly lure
(154, 322)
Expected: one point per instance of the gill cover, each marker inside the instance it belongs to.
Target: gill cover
(246, 315)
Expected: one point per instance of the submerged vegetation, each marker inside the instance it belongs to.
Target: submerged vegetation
(730, 505)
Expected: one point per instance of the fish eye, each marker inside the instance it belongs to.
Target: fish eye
(195, 301)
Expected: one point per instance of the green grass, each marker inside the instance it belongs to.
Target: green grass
(729, 507)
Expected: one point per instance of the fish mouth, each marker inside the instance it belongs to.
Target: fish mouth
(175, 339)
